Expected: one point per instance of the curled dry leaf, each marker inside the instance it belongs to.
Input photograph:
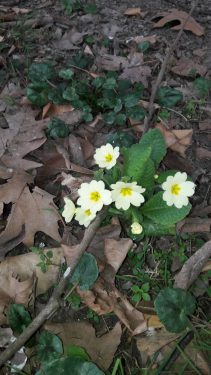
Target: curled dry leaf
(37, 212)
(100, 349)
(177, 140)
(132, 12)
(188, 68)
(51, 110)
(192, 267)
(179, 16)
(13, 291)
(25, 266)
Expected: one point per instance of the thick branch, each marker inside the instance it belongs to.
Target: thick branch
(160, 76)
(54, 302)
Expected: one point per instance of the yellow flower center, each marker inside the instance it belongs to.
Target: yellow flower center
(95, 196)
(175, 189)
(108, 158)
(87, 212)
(126, 192)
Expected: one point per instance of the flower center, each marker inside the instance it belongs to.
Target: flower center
(108, 158)
(175, 189)
(126, 192)
(87, 212)
(95, 196)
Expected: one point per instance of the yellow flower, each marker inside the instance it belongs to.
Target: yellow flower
(93, 196)
(69, 210)
(136, 228)
(106, 156)
(124, 194)
(177, 190)
(84, 216)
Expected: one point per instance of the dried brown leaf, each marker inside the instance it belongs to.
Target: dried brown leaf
(195, 225)
(176, 140)
(178, 15)
(132, 12)
(188, 68)
(203, 153)
(100, 349)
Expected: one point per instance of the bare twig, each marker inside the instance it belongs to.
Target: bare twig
(163, 69)
(193, 266)
(54, 302)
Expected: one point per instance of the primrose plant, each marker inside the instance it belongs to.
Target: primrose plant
(149, 203)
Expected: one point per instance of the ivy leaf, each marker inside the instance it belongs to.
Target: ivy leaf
(130, 100)
(81, 60)
(157, 210)
(66, 74)
(58, 128)
(18, 318)
(37, 93)
(86, 272)
(109, 117)
(110, 83)
(135, 160)
(153, 229)
(55, 94)
(168, 97)
(49, 347)
(173, 305)
(120, 119)
(121, 139)
(98, 82)
(155, 139)
(70, 365)
(40, 72)
(203, 86)
(136, 113)
(70, 94)
(123, 86)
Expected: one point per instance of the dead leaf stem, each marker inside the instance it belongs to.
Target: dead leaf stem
(54, 302)
(151, 109)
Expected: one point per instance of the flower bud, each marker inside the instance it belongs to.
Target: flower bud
(136, 228)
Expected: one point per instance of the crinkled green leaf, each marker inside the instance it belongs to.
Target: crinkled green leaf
(37, 93)
(18, 318)
(58, 128)
(147, 179)
(136, 113)
(203, 86)
(153, 229)
(66, 74)
(168, 96)
(41, 72)
(173, 305)
(135, 159)
(70, 94)
(70, 365)
(130, 100)
(110, 84)
(81, 60)
(157, 210)
(49, 347)
(120, 119)
(121, 139)
(163, 175)
(155, 139)
(55, 94)
(98, 82)
(109, 117)
(86, 272)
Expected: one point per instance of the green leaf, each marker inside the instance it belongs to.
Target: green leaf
(40, 72)
(109, 117)
(203, 86)
(136, 113)
(123, 86)
(147, 179)
(155, 140)
(77, 351)
(173, 305)
(81, 60)
(145, 287)
(98, 82)
(150, 228)
(135, 288)
(135, 159)
(66, 74)
(120, 119)
(168, 97)
(163, 175)
(130, 100)
(121, 139)
(18, 318)
(70, 94)
(118, 106)
(55, 94)
(157, 210)
(70, 365)
(49, 347)
(37, 93)
(136, 297)
(110, 84)
(86, 272)
(68, 5)
(146, 297)
(143, 46)
(90, 8)
(58, 128)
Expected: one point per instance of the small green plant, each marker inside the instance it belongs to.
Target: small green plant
(140, 293)
(93, 316)
(202, 86)
(45, 258)
(71, 6)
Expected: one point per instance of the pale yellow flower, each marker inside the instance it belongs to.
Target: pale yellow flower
(69, 210)
(124, 194)
(177, 190)
(84, 216)
(136, 228)
(93, 196)
(106, 156)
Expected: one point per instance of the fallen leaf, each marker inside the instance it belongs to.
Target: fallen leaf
(181, 17)
(137, 74)
(175, 161)
(70, 40)
(5, 336)
(13, 188)
(176, 140)
(205, 125)
(203, 153)
(51, 110)
(152, 39)
(75, 150)
(13, 291)
(25, 266)
(101, 350)
(188, 68)
(73, 184)
(37, 212)
(195, 225)
(111, 62)
(153, 321)
(132, 12)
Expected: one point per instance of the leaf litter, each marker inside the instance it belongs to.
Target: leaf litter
(30, 159)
